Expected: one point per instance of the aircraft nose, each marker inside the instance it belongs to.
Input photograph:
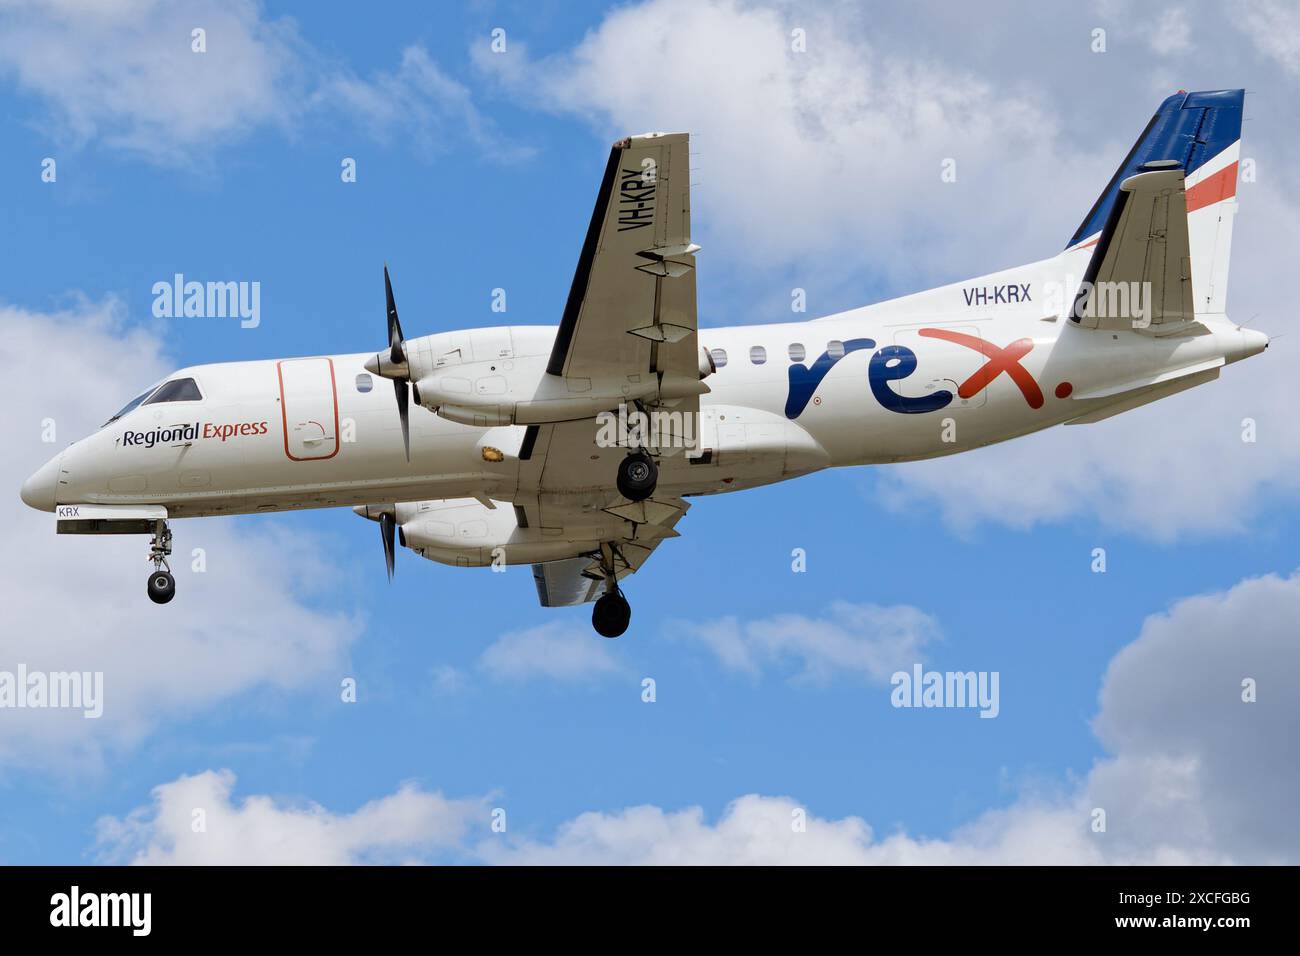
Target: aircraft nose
(40, 489)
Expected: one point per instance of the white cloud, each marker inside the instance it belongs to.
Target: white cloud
(1195, 764)
(447, 680)
(760, 830)
(861, 641)
(125, 73)
(419, 101)
(835, 151)
(1194, 775)
(262, 831)
(554, 651)
(753, 830)
(1171, 32)
(78, 603)
(1274, 27)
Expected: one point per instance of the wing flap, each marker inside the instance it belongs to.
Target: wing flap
(580, 580)
(564, 584)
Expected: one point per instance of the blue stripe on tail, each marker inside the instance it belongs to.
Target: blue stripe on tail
(1191, 128)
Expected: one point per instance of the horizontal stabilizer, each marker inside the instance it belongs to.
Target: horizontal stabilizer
(1144, 396)
(1154, 379)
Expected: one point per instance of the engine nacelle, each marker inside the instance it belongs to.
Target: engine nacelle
(465, 533)
(493, 377)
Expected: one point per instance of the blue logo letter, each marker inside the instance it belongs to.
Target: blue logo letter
(804, 381)
(881, 373)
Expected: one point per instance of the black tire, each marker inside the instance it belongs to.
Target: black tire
(162, 587)
(611, 615)
(637, 476)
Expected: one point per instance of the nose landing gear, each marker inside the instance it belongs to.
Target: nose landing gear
(162, 586)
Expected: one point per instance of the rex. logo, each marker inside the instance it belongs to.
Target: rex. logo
(895, 362)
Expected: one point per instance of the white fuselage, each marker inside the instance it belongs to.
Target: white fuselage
(320, 432)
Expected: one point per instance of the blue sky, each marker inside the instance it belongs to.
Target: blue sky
(477, 171)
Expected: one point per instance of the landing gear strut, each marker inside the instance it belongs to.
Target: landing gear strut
(612, 613)
(162, 586)
(637, 476)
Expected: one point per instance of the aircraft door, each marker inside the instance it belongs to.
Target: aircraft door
(943, 363)
(309, 409)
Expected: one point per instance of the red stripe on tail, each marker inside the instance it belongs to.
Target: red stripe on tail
(1222, 185)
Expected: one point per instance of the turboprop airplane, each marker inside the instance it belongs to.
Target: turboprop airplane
(575, 448)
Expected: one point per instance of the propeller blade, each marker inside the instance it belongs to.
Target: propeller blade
(395, 338)
(387, 530)
(397, 356)
(403, 392)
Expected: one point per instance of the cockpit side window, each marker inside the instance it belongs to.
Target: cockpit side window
(177, 390)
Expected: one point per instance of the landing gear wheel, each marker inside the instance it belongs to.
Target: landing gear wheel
(637, 476)
(162, 587)
(611, 614)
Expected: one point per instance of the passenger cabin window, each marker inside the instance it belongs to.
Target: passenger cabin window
(719, 357)
(796, 352)
(364, 382)
(835, 349)
(758, 355)
(177, 390)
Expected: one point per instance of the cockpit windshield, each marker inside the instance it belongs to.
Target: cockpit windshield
(131, 405)
(176, 390)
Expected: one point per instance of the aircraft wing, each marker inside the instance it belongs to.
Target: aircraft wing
(630, 321)
(1140, 274)
(565, 583)
(576, 502)
(631, 309)
(580, 580)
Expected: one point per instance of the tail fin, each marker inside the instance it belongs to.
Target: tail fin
(1202, 133)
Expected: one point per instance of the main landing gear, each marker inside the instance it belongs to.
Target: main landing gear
(612, 613)
(637, 476)
(162, 586)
